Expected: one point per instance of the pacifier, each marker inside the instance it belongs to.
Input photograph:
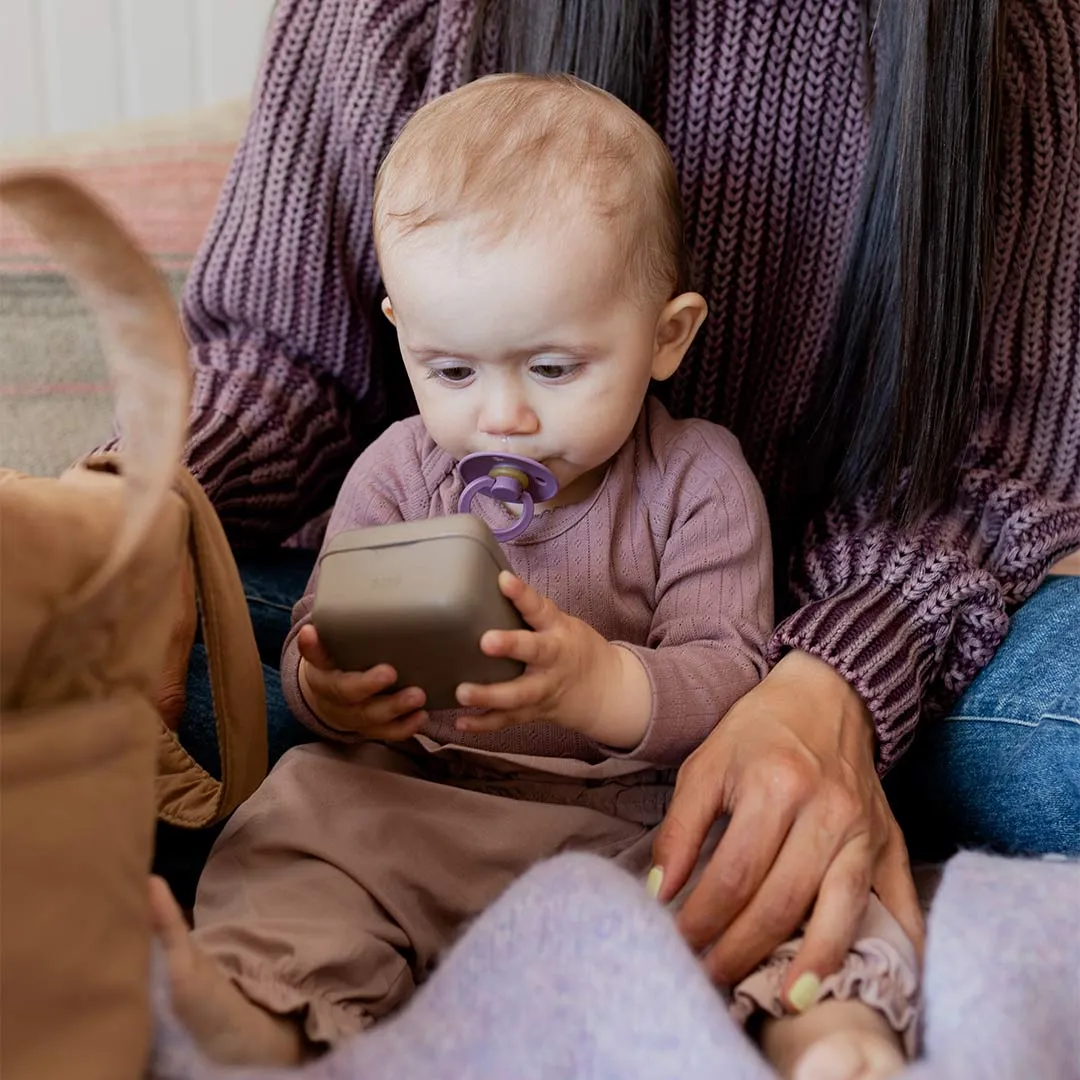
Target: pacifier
(510, 478)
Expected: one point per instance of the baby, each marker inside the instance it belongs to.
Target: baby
(530, 237)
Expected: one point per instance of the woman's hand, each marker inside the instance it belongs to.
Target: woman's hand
(355, 701)
(792, 762)
(171, 694)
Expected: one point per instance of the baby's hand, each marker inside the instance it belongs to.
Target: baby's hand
(353, 701)
(569, 669)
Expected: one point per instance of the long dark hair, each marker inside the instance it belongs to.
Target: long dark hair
(904, 372)
(612, 44)
(901, 389)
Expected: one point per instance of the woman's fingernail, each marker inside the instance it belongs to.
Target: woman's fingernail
(804, 991)
(655, 881)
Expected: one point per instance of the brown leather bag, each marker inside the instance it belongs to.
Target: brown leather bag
(89, 565)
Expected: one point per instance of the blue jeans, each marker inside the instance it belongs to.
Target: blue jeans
(1002, 772)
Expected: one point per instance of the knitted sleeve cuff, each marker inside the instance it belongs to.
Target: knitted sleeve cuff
(909, 622)
(886, 641)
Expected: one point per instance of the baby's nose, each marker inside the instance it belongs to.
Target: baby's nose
(507, 414)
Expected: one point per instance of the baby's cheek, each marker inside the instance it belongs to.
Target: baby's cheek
(445, 423)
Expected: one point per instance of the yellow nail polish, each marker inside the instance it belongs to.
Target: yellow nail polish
(655, 881)
(804, 991)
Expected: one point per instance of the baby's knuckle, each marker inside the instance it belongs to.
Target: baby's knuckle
(543, 649)
(343, 692)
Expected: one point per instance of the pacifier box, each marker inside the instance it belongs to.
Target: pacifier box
(417, 595)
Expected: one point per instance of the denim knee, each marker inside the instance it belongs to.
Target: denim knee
(1002, 770)
(273, 582)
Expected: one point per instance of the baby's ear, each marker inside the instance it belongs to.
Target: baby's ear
(388, 309)
(676, 328)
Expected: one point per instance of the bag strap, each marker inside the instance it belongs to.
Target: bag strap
(187, 794)
(144, 345)
(146, 353)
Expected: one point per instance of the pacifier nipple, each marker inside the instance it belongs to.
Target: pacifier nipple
(508, 483)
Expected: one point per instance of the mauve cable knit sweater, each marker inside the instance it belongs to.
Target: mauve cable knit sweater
(764, 107)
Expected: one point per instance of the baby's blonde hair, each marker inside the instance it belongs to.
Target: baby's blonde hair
(512, 150)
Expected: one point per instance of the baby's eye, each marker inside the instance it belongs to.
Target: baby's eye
(451, 373)
(554, 372)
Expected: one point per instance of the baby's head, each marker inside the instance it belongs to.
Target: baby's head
(530, 237)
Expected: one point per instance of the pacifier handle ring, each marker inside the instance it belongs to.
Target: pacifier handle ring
(482, 485)
(511, 532)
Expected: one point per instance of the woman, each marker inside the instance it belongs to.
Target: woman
(882, 199)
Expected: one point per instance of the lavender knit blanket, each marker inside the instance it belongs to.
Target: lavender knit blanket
(574, 973)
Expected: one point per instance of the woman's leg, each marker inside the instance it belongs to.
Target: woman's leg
(1002, 771)
(273, 581)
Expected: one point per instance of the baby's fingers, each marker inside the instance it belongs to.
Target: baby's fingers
(520, 693)
(527, 646)
(346, 688)
(313, 650)
(392, 708)
(486, 723)
(397, 730)
(538, 611)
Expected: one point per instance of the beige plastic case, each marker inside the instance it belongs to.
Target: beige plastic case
(416, 595)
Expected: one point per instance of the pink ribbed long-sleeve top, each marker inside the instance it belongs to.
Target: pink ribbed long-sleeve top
(669, 558)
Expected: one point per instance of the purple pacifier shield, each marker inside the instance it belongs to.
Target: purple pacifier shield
(476, 470)
(542, 482)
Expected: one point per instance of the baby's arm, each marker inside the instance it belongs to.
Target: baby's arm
(573, 676)
(385, 485)
(705, 649)
(714, 592)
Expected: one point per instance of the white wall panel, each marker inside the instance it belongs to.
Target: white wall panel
(230, 34)
(22, 98)
(74, 65)
(159, 53)
(82, 63)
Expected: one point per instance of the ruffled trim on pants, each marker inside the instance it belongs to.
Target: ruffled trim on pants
(881, 970)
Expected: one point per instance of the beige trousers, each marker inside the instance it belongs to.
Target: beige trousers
(335, 888)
